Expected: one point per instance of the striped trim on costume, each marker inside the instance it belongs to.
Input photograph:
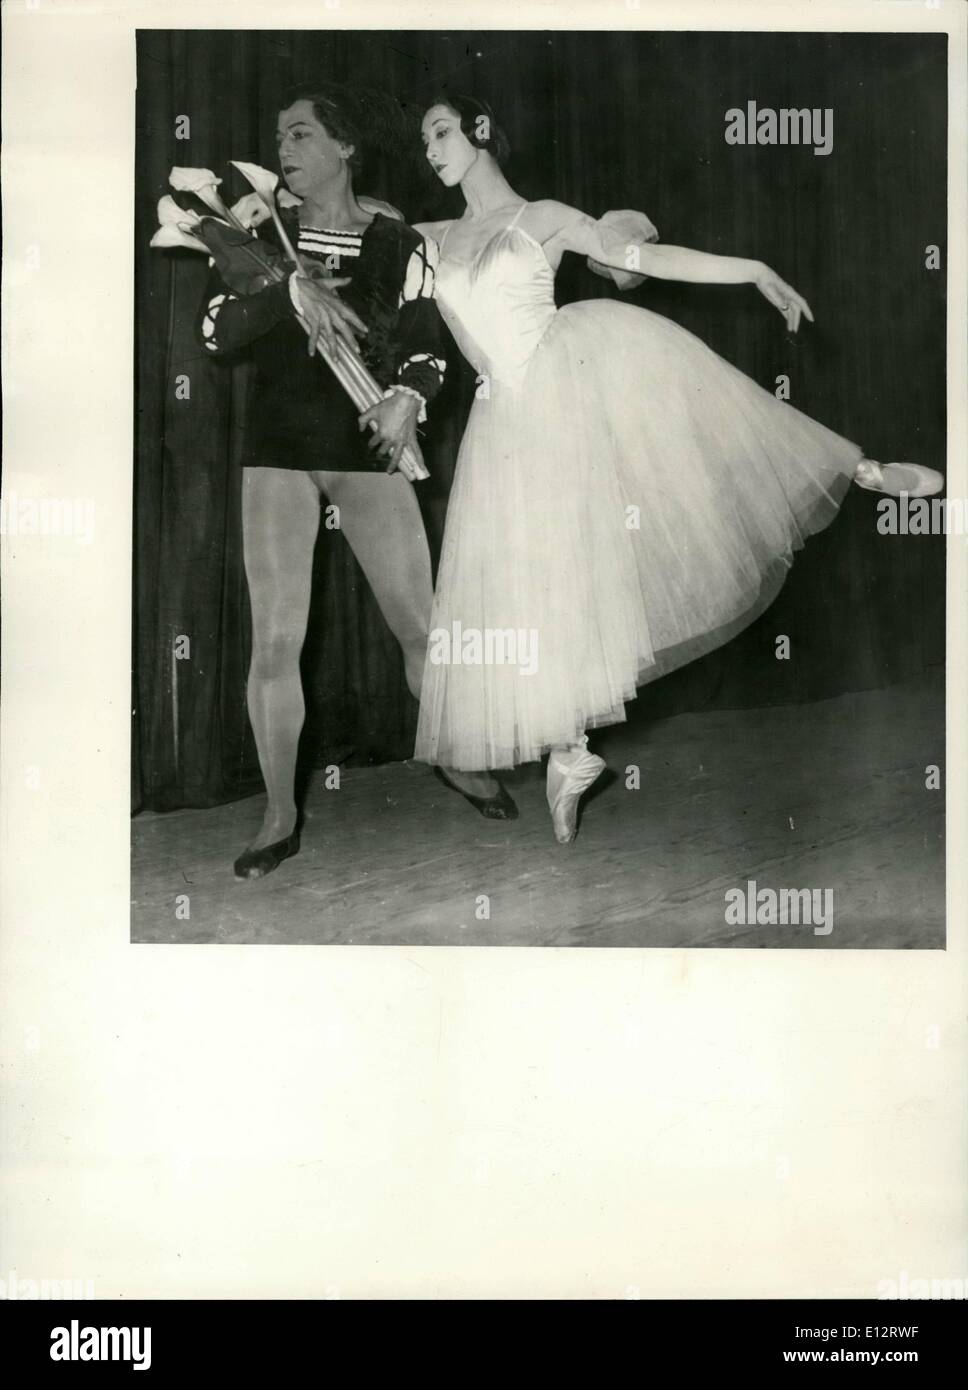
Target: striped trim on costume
(330, 242)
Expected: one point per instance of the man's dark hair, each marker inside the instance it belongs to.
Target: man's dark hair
(359, 116)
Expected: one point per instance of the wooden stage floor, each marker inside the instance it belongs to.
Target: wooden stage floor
(829, 795)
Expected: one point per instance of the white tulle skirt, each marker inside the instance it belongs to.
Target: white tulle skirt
(632, 503)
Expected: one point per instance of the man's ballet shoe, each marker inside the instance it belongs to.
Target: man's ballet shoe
(567, 783)
(256, 863)
(894, 478)
(499, 807)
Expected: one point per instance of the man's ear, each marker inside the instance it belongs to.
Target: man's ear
(346, 151)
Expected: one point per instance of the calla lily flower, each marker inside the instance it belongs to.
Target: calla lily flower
(251, 211)
(170, 214)
(192, 180)
(201, 182)
(170, 234)
(264, 181)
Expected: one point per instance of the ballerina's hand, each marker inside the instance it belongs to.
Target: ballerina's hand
(783, 297)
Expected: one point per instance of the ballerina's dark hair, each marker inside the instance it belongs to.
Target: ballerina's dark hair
(472, 111)
(369, 120)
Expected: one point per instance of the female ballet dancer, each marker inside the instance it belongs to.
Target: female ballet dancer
(624, 499)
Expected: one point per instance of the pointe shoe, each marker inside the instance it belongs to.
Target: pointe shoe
(894, 478)
(256, 863)
(567, 783)
(500, 807)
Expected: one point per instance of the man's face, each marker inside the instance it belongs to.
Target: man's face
(309, 157)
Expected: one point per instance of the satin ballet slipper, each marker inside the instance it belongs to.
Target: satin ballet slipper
(568, 780)
(894, 478)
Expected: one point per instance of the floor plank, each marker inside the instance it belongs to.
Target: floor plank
(830, 795)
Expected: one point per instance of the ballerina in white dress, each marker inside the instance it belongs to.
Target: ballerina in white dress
(624, 499)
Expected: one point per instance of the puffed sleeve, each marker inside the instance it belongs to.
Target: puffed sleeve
(621, 233)
(375, 205)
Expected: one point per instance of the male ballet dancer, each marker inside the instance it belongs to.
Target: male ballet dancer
(305, 440)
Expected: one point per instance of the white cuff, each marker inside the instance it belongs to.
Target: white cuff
(399, 386)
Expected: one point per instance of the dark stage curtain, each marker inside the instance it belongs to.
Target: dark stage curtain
(604, 120)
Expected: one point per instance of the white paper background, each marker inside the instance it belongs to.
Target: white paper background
(365, 1122)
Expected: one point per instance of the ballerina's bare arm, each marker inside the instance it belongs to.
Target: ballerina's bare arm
(561, 228)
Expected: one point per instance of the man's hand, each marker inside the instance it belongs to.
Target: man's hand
(325, 314)
(396, 427)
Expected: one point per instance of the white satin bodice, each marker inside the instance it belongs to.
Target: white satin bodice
(498, 305)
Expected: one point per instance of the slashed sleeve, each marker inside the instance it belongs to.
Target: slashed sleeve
(422, 363)
(228, 322)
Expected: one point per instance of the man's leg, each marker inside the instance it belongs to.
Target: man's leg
(380, 518)
(280, 518)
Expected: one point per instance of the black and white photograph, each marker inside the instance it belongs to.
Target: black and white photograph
(540, 513)
(483, 477)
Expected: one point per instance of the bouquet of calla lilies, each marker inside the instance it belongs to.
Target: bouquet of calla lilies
(247, 265)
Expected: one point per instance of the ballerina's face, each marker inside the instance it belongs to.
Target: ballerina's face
(449, 151)
(309, 157)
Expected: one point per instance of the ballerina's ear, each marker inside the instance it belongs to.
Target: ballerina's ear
(621, 233)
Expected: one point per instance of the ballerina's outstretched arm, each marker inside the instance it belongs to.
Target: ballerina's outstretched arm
(561, 228)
